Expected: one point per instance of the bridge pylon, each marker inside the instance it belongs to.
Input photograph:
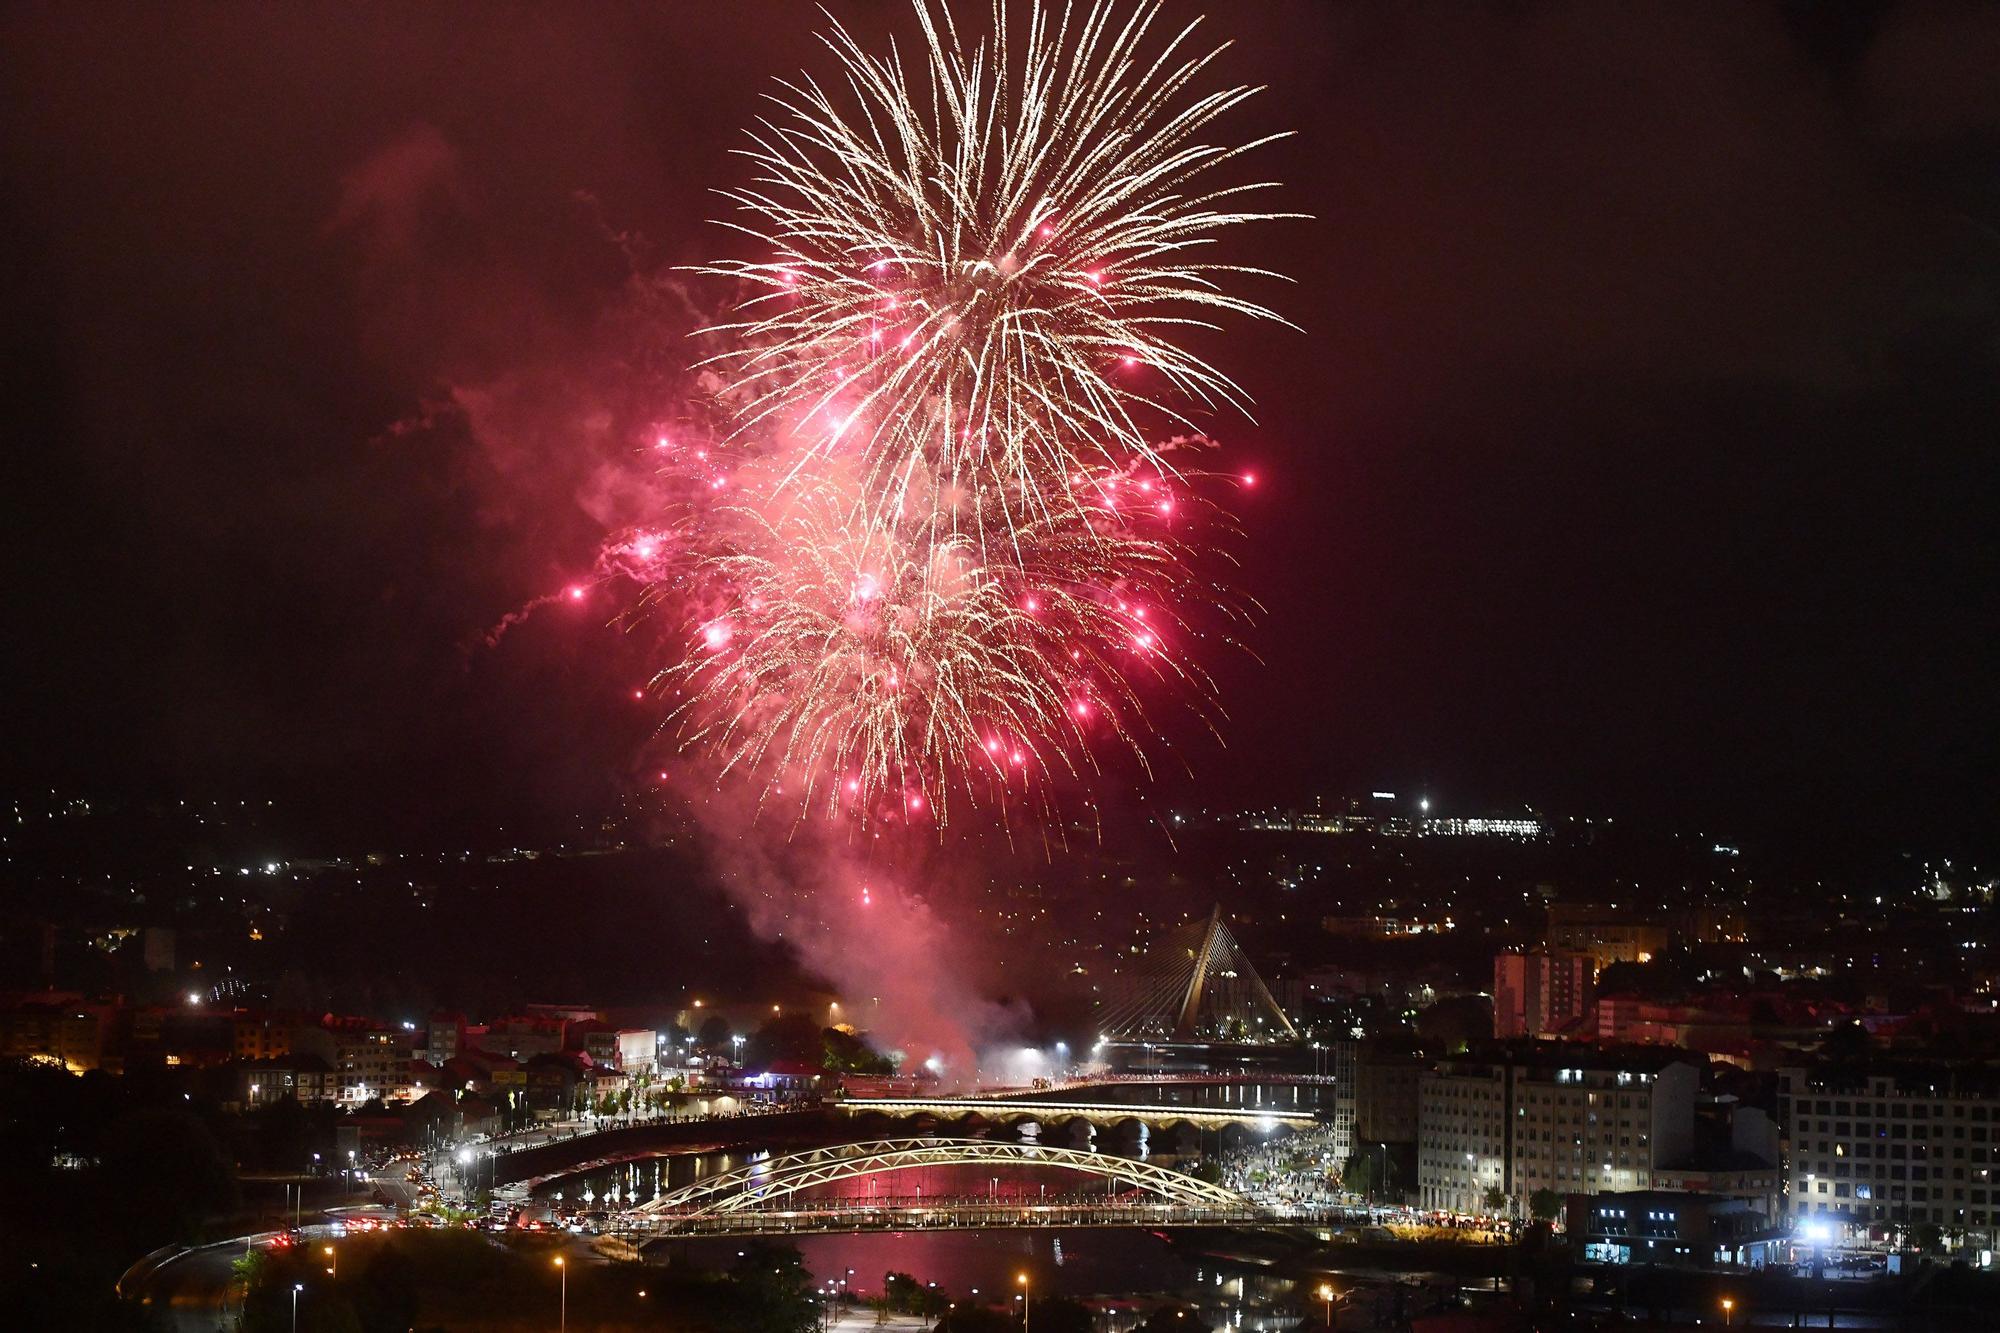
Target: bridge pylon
(1195, 984)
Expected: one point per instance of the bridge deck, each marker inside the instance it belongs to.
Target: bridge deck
(920, 1214)
(1023, 1106)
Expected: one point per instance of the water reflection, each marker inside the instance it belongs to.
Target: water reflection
(1136, 1268)
(629, 1184)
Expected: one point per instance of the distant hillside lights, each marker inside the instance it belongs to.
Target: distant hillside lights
(1389, 825)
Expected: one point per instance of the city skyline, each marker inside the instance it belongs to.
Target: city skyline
(1012, 667)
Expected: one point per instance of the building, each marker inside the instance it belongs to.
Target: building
(1344, 1063)
(1385, 1097)
(523, 1036)
(1757, 1184)
(1463, 1138)
(628, 1050)
(368, 1059)
(260, 1036)
(58, 1028)
(1542, 993)
(1894, 1146)
(1384, 927)
(551, 1084)
(444, 1037)
(1569, 1119)
(1658, 1227)
(1608, 933)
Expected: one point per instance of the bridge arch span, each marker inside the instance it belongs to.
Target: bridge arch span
(778, 1179)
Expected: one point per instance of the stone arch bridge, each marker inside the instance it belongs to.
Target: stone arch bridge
(1072, 1122)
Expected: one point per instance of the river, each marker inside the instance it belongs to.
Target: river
(1101, 1263)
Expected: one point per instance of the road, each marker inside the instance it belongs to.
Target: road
(194, 1290)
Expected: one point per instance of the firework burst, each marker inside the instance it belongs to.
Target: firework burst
(984, 275)
(941, 547)
(890, 670)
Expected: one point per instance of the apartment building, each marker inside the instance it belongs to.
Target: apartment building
(1572, 1120)
(1894, 1146)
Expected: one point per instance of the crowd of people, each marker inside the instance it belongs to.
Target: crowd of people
(1296, 1171)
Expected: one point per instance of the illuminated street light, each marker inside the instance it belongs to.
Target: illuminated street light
(1325, 1293)
(563, 1310)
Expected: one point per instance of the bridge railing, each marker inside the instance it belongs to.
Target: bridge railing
(969, 1213)
(1025, 1105)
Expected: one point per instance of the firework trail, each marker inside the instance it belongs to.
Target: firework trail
(887, 669)
(939, 543)
(980, 276)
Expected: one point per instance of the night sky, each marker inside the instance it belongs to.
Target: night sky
(1636, 456)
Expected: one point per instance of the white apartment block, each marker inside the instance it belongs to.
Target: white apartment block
(1575, 1122)
(1918, 1146)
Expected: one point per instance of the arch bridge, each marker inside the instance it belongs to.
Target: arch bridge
(765, 1196)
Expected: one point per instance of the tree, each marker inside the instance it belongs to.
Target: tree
(1545, 1205)
(1926, 1236)
(1174, 1319)
(1371, 1172)
(1495, 1200)
(1846, 1044)
(794, 1037)
(1060, 1314)
(846, 1053)
(976, 1319)
(715, 1031)
(385, 1291)
(777, 1290)
(169, 1173)
(1455, 1023)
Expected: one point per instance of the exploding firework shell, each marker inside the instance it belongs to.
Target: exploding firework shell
(936, 554)
(897, 670)
(984, 277)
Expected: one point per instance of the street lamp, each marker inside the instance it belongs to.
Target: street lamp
(563, 1310)
(1728, 1311)
(330, 1261)
(1022, 1279)
(297, 1287)
(1325, 1293)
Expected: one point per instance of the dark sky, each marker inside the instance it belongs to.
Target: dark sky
(1636, 457)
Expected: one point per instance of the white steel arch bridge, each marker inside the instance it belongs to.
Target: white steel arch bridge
(765, 1196)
